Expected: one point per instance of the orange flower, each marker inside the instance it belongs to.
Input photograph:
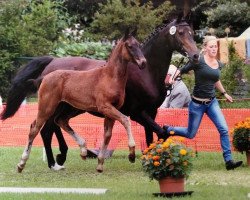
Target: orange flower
(156, 157)
(145, 151)
(159, 150)
(165, 145)
(156, 163)
(151, 146)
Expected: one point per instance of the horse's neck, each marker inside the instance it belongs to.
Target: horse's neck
(158, 55)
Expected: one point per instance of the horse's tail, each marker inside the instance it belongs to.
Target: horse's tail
(21, 85)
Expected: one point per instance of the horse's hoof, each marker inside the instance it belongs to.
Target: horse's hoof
(57, 167)
(60, 159)
(131, 158)
(19, 169)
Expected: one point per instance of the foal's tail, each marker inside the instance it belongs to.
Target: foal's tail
(21, 86)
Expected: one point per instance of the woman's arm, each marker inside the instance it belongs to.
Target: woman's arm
(220, 87)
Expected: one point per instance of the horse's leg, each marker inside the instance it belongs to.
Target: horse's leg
(150, 125)
(34, 130)
(63, 147)
(46, 134)
(108, 126)
(115, 114)
(64, 124)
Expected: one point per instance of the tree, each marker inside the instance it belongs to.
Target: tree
(115, 16)
(27, 28)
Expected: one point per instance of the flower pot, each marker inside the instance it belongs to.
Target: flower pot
(248, 158)
(171, 184)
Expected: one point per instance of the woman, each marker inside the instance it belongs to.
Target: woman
(207, 74)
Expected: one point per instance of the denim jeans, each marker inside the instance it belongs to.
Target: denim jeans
(213, 111)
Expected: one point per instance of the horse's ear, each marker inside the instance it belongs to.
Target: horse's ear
(134, 32)
(188, 17)
(126, 35)
(180, 16)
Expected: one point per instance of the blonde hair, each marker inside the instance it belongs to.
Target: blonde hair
(207, 39)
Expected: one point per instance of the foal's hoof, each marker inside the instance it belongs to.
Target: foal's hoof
(19, 168)
(99, 169)
(131, 158)
(83, 157)
(57, 167)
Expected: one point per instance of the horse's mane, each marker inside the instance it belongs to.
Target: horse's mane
(155, 31)
(158, 29)
(112, 51)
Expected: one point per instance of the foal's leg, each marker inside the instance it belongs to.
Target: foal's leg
(34, 130)
(108, 126)
(64, 124)
(115, 114)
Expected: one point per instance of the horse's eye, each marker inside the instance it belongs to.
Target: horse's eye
(181, 32)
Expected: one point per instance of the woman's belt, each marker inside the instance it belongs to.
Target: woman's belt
(205, 102)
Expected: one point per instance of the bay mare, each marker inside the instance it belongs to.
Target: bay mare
(99, 90)
(145, 89)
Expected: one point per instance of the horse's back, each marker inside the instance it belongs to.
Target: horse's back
(73, 63)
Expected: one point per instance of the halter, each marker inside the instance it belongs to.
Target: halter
(172, 31)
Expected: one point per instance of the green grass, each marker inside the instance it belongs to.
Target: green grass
(124, 181)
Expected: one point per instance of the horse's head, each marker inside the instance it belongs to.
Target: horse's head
(131, 49)
(182, 38)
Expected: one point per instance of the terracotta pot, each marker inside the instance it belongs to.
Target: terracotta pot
(170, 185)
(248, 158)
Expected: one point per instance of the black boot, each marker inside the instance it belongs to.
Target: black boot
(232, 164)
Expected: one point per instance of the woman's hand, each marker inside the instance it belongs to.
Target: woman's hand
(228, 97)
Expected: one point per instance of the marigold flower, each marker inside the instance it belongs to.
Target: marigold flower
(145, 151)
(161, 140)
(156, 157)
(151, 146)
(183, 152)
(165, 145)
(158, 150)
(156, 163)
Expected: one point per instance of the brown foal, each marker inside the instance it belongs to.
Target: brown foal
(99, 90)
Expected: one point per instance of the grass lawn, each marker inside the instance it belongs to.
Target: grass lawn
(124, 181)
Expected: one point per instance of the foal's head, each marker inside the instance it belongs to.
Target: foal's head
(131, 50)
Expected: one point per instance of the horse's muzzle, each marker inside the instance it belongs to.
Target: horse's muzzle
(142, 63)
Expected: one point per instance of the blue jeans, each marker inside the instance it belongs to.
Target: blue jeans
(213, 111)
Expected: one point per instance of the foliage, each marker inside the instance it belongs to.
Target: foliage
(83, 10)
(241, 135)
(96, 50)
(167, 158)
(27, 28)
(70, 44)
(229, 14)
(236, 69)
(114, 17)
